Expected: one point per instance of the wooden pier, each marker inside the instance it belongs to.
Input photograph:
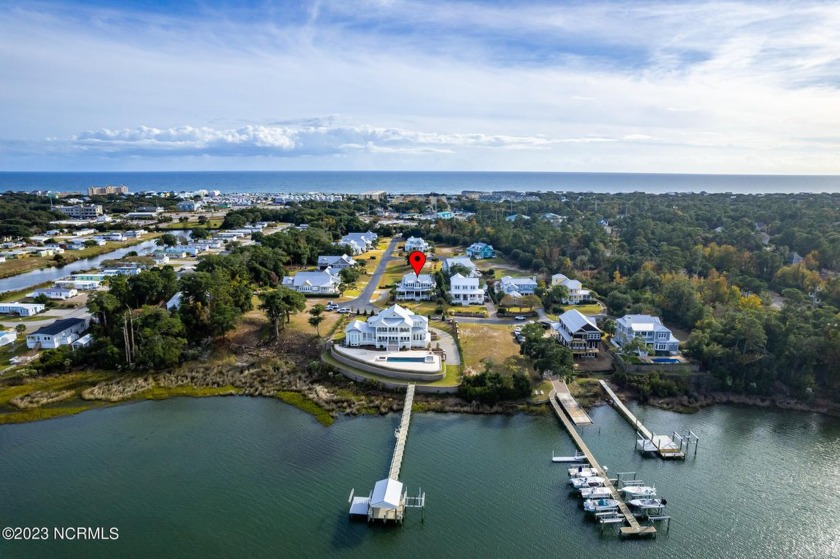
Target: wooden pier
(633, 527)
(577, 413)
(674, 446)
(402, 434)
(389, 499)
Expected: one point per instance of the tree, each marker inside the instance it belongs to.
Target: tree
(315, 321)
(279, 304)
(167, 239)
(160, 339)
(617, 303)
(529, 302)
(459, 269)
(202, 220)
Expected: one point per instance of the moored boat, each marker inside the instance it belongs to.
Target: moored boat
(600, 505)
(581, 482)
(595, 493)
(638, 491)
(582, 471)
(641, 507)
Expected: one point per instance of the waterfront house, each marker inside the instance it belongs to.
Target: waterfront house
(576, 293)
(448, 263)
(465, 290)
(314, 283)
(414, 287)
(59, 333)
(657, 336)
(189, 205)
(480, 250)
(579, 333)
(416, 243)
(393, 328)
(335, 262)
(517, 286)
(22, 309)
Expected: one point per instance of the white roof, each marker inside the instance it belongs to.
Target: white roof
(575, 320)
(387, 494)
(312, 278)
(642, 323)
(462, 260)
(411, 277)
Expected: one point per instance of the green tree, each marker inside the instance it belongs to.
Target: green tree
(160, 339)
(167, 239)
(279, 304)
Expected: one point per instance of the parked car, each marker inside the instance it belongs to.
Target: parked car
(519, 317)
(331, 306)
(345, 310)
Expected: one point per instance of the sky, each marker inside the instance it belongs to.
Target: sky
(443, 85)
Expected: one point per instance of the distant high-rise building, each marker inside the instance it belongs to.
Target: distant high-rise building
(103, 190)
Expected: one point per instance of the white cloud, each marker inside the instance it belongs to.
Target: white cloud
(693, 87)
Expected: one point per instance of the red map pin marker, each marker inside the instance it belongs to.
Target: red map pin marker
(417, 259)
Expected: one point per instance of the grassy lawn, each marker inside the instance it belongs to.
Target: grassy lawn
(300, 321)
(447, 251)
(593, 308)
(21, 265)
(493, 342)
(17, 319)
(13, 350)
(468, 308)
(542, 386)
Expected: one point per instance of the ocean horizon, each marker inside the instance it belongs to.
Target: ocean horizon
(406, 182)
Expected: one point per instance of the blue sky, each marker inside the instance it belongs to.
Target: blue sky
(694, 87)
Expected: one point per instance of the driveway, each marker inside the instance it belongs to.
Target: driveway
(447, 344)
(362, 302)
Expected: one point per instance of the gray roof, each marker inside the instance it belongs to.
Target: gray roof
(57, 327)
(575, 321)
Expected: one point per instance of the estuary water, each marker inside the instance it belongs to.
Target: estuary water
(249, 477)
(29, 279)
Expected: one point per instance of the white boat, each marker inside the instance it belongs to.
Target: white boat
(600, 505)
(581, 482)
(578, 457)
(638, 491)
(595, 493)
(646, 506)
(582, 471)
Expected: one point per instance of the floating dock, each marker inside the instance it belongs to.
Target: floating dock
(665, 446)
(389, 499)
(577, 413)
(632, 528)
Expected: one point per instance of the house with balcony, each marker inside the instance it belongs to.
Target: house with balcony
(657, 337)
(314, 283)
(414, 287)
(59, 333)
(576, 293)
(516, 287)
(416, 243)
(394, 328)
(579, 333)
(479, 251)
(335, 262)
(465, 290)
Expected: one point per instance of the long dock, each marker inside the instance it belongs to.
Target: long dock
(402, 434)
(664, 445)
(633, 527)
(575, 411)
(628, 415)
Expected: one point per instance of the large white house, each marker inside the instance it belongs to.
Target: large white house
(393, 328)
(518, 286)
(414, 287)
(460, 261)
(416, 243)
(465, 291)
(335, 262)
(59, 333)
(576, 294)
(359, 243)
(579, 333)
(656, 335)
(320, 283)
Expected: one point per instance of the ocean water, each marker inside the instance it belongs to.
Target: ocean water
(417, 182)
(253, 477)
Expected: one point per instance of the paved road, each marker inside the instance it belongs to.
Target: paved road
(57, 314)
(362, 302)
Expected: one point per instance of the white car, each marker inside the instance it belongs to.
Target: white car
(519, 317)
(345, 310)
